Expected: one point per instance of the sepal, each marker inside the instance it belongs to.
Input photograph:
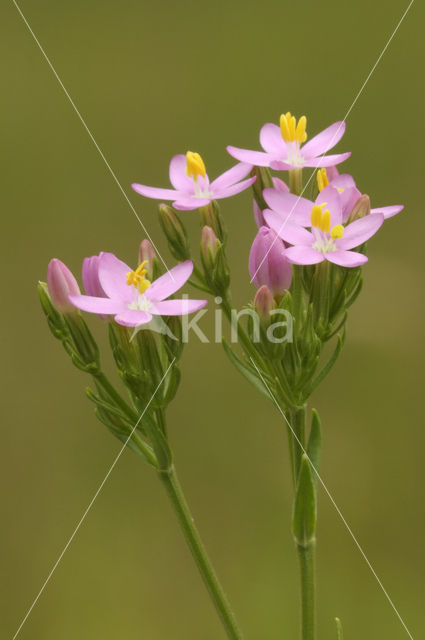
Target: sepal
(304, 512)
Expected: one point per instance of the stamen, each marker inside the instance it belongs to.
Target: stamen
(337, 231)
(137, 278)
(195, 165)
(290, 130)
(325, 223)
(322, 179)
(316, 215)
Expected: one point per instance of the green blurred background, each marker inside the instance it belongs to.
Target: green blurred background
(153, 79)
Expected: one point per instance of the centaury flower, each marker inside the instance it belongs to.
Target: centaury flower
(131, 298)
(284, 146)
(328, 238)
(349, 193)
(192, 188)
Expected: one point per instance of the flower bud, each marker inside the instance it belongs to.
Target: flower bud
(209, 247)
(361, 208)
(90, 276)
(147, 254)
(211, 217)
(264, 303)
(268, 264)
(61, 283)
(174, 231)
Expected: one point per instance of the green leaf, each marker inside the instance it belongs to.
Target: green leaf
(339, 633)
(304, 513)
(314, 445)
(246, 371)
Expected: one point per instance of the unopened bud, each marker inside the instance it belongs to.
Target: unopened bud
(264, 303)
(147, 254)
(211, 217)
(175, 232)
(361, 208)
(268, 264)
(61, 283)
(209, 247)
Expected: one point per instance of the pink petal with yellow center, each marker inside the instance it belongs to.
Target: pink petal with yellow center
(288, 203)
(257, 158)
(271, 140)
(287, 229)
(178, 176)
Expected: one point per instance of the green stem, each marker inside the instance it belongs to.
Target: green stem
(297, 422)
(306, 558)
(199, 554)
(296, 181)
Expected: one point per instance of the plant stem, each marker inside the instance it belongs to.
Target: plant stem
(199, 554)
(306, 558)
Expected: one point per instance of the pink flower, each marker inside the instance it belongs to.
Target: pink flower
(284, 149)
(328, 239)
(280, 185)
(60, 283)
(131, 298)
(349, 193)
(192, 188)
(268, 264)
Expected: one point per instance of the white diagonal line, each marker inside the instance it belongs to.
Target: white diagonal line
(338, 510)
(329, 146)
(47, 580)
(102, 155)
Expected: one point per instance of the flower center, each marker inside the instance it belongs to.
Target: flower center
(137, 278)
(322, 179)
(291, 130)
(195, 165)
(321, 227)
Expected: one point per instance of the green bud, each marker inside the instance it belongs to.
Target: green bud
(264, 180)
(209, 248)
(211, 217)
(264, 303)
(147, 254)
(175, 232)
(361, 208)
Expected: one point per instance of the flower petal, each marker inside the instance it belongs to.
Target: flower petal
(226, 192)
(332, 198)
(280, 185)
(324, 140)
(343, 181)
(97, 305)
(389, 212)
(170, 282)
(188, 203)
(288, 203)
(155, 192)
(302, 254)
(178, 176)
(257, 158)
(346, 258)
(177, 307)
(360, 230)
(287, 229)
(133, 318)
(113, 277)
(236, 173)
(327, 161)
(271, 140)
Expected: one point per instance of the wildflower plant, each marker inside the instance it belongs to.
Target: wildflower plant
(306, 264)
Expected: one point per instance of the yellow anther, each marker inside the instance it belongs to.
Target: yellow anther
(316, 215)
(137, 278)
(195, 165)
(325, 223)
(290, 130)
(322, 179)
(337, 231)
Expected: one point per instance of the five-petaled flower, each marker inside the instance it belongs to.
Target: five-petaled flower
(131, 298)
(284, 149)
(192, 188)
(327, 238)
(349, 193)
